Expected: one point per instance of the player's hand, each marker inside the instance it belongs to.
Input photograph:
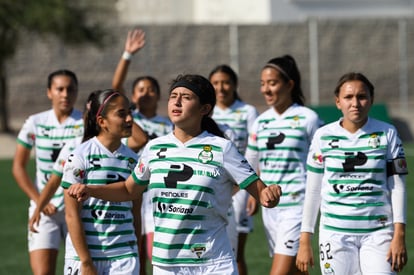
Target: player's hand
(269, 196)
(49, 209)
(397, 254)
(304, 258)
(88, 268)
(252, 206)
(79, 191)
(34, 221)
(135, 41)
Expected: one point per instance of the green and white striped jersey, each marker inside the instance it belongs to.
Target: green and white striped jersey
(156, 126)
(61, 160)
(352, 168)
(191, 185)
(108, 225)
(240, 118)
(278, 147)
(48, 135)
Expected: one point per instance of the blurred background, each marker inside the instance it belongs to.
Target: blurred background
(326, 37)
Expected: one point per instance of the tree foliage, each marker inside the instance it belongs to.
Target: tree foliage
(71, 21)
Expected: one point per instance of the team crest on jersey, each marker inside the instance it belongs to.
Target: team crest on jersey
(327, 269)
(295, 122)
(206, 155)
(374, 141)
(198, 249)
(79, 173)
(77, 130)
(317, 158)
(238, 116)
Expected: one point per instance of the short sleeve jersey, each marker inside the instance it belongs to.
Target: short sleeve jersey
(64, 154)
(191, 186)
(155, 127)
(240, 118)
(278, 147)
(355, 195)
(108, 225)
(47, 135)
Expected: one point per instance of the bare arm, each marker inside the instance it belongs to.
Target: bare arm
(304, 258)
(134, 42)
(43, 200)
(20, 174)
(138, 139)
(397, 253)
(120, 191)
(77, 233)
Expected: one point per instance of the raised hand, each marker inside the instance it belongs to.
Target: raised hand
(135, 41)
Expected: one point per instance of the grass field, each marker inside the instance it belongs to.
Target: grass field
(13, 217)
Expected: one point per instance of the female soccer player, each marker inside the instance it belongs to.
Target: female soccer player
(232, 111)
(47, 132)
(278, 146)
(190, 174)
(356, 176)
(136, 141)
(146, 94)
(101, 237)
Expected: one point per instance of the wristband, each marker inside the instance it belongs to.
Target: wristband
(126, 55)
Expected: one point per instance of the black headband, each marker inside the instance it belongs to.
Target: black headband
(189, 86)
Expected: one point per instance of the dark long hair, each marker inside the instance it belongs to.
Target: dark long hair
(288, 69)
(202, 87)
(97, 105)
(226, 69)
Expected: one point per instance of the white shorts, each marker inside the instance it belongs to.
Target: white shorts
(282, 228)
(354, 254)
(244, 221)
(226, 267)
(147, 218)
(52, 231)
(124, 266)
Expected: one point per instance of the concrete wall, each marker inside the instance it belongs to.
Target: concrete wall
(370, 46)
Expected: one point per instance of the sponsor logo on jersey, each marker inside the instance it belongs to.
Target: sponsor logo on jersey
(214, 173)
(98, 214)
(198, 249)
(206, 155)
(334, 143)
(170, 194)
(171, 208)
(45, 131)
(382, 220)
(349, 188)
